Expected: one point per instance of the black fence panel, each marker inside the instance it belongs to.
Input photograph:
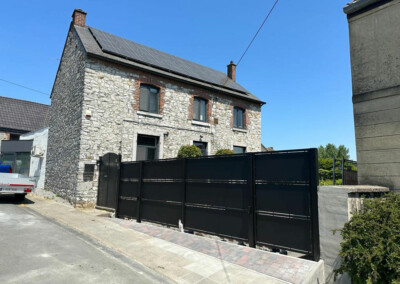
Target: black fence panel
(231, 195)
(287, 199)
(282, 232)
(129, 183)
(267, 198)
(219, 221)
(282, 166)
(161, 212)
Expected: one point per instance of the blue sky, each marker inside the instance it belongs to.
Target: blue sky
(299, 64)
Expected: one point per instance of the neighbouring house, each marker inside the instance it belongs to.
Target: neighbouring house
(114, 95)
(18, 117)
(375, 67)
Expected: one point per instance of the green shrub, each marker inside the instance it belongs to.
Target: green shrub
(224, 152)
(370, 250)
(189, 151)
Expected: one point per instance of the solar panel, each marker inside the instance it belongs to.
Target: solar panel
(115, 45)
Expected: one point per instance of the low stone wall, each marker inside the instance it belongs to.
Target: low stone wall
(335, 207)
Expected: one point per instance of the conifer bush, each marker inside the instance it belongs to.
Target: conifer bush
(370, 250)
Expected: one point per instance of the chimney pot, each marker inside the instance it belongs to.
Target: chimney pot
(232, 71)
(79, 17)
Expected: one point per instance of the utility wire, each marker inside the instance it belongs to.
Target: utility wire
(22, 86)
(266, 18)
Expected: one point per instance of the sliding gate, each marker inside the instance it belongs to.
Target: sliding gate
(267, 198)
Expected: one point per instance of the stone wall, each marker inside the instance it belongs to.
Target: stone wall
(375, 66)
(111, 98)
(66, 121)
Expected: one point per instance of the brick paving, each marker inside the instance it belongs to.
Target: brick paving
(286, 268)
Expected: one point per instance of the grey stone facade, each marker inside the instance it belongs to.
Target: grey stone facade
(375, 66)
(66, 121)
(95, 111)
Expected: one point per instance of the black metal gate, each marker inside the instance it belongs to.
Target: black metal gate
(108, 180)
(267, 198)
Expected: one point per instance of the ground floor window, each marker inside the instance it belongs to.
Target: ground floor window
(239, 149)
(202, 146)
(147, 147)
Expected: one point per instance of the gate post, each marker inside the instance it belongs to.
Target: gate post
(313, 166)
(99, 162)
(139, 198)
(184, 191)
(118, 183)
(252, 206)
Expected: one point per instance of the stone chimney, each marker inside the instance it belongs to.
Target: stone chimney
(79, 17)
(232, 71)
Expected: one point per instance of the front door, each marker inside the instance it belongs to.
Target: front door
(108, 181)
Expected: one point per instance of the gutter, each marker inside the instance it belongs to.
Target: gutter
(352, 8)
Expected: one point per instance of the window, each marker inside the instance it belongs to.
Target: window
(14, 137)
(202, 146)
(147, 148)
(88, 172)
(200, 109)
(149, 97)
(238, 117)
(239, 149)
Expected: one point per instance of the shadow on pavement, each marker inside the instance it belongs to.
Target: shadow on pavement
(9, 199)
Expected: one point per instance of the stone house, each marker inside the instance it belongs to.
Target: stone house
(114, 95)
(375, 66)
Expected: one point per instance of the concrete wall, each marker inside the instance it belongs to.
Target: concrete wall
(375, 66)
(335, 207)
(37, 167)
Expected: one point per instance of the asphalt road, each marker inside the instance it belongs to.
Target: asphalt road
(35, 249)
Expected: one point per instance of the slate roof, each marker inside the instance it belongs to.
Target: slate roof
(22, 116)
(111, 47)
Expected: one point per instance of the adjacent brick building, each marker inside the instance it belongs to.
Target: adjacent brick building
(114, 95)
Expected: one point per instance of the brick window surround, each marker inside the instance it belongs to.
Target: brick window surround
(191, 106)
(160, 94)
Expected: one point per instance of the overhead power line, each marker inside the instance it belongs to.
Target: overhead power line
(254, 37)
(22, 86)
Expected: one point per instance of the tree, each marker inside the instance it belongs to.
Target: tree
(330, 151)
(370, 250)
(189, 151)
(224, 152)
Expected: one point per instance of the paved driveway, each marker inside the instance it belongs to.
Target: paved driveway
(34, 249)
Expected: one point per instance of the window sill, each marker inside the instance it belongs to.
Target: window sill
(240, 130)
(149, 114)
(200, 123)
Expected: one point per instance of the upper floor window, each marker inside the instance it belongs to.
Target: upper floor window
(149, 98)
(238, 117)
(200, 109)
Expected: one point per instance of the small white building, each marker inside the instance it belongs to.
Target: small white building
(37, 168)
